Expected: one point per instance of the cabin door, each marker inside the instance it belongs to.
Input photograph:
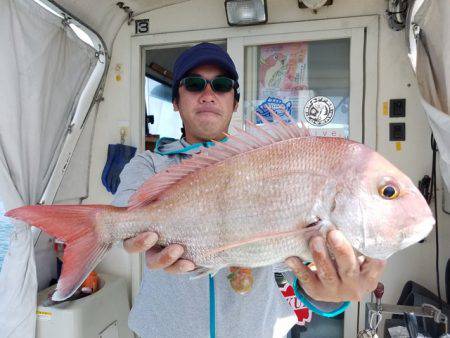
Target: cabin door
(318, 77)
(323, 73)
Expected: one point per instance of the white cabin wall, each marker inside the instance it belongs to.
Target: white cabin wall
(395, 76)
(112, 115)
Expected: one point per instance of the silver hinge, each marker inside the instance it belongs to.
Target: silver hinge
(127, 10)
(66, 20)
(416, 30)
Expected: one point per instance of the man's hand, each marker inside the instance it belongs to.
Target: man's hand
(167, 258)
(346, 279)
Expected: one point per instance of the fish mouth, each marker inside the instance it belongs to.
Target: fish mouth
(410, 235)
(416, 233)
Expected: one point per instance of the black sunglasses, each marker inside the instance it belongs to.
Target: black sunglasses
(220, 84)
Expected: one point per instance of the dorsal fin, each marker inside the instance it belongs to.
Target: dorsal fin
(242, 141)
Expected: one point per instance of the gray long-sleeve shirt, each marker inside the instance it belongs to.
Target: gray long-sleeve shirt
(176, 306)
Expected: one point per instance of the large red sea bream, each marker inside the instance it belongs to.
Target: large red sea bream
(251, 201)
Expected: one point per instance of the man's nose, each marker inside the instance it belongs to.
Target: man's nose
(207, 94)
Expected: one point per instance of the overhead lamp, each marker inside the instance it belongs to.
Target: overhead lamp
(246, 12)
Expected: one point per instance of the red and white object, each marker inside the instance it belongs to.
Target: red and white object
(304, 315)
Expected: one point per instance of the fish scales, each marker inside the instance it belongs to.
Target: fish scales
(262, 191)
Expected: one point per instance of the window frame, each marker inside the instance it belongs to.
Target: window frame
(364, 28)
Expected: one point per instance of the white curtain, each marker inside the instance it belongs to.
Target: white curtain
(44, 66)
(107, 18)
(433, 73)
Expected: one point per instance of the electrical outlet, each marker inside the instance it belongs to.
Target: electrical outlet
(397, 132)
(397, 108)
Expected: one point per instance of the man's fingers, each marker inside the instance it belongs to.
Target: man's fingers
(325, 268)
(346, 260)
(371, 272)
(164, 258)
(180, 266)
(141, 242)
(305, 276)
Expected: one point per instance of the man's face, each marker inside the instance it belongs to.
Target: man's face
(206, 115)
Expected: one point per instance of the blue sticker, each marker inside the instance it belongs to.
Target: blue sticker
(277, 106)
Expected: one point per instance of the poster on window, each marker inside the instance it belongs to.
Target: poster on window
(282, 77)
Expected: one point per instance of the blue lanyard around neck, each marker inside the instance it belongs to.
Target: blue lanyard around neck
(186, 149)
(212, 308)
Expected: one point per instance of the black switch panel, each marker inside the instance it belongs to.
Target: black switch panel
(397, 108)
(397, 132)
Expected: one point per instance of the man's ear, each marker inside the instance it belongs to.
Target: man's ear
(236, 104)
(175, 105)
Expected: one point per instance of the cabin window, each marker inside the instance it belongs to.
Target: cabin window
(310, 79)
(160, 118)
(5, 233)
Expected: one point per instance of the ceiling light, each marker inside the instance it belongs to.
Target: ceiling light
(246, 12)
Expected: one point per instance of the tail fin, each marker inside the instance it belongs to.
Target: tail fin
(73, 224)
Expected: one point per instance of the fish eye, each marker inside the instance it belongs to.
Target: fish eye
(388, 191)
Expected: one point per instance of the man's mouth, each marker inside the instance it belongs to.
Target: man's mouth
(208, 111)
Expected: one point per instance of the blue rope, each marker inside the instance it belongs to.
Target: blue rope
(341, 308)
(212, 308)
(185, 149)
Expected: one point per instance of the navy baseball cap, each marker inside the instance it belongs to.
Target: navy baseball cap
(203, 54)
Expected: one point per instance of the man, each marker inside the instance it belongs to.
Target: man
(170, 304)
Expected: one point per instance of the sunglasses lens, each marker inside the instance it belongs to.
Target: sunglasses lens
(222, 84)
(194, 84)
(197, 84)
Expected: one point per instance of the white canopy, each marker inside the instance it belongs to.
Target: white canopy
(44, 70)
(50, 80)
(105, 17)
(430, 49)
